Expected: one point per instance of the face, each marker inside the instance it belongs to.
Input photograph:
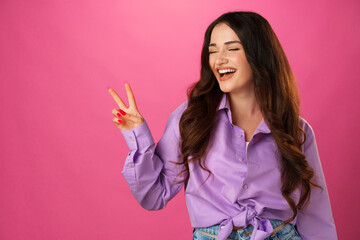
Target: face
(228, 61)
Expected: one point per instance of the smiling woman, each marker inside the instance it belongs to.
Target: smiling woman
(228, 61)
(227, 57)
(240, 125)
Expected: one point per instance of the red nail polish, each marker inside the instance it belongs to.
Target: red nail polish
(118, 114)
(122, 112)
(119, 121)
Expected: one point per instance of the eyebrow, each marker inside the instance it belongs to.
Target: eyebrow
(226, 43)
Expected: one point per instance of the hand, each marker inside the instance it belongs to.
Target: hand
(129, 117)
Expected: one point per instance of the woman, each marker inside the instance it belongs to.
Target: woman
(248, 161)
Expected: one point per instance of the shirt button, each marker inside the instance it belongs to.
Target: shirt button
(241, 159)
(222, 227)
(130, 165)
(131, 139)
(245, 186)
(240, 135)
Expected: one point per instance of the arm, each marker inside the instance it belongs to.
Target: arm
(148, 170)
(316, 220)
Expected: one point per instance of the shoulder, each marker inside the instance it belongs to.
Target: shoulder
(174, 118)
(176, 114)
(311, 152)
(306, 126)
(310, 141)
(309, 147)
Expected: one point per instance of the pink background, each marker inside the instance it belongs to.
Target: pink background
(61, 155)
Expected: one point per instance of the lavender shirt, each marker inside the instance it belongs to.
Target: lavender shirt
(245, 187)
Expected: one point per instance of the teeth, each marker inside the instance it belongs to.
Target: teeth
(222, 71)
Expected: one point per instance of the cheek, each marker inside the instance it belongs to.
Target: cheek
(211, 64)
(244, 65)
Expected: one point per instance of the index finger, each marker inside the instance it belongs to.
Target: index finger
(117, 99)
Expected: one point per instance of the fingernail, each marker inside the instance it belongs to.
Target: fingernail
(108, 87)
(118, 115)
(126, 82)
(122, 112)
(119, 121)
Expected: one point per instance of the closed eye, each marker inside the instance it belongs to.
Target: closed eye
(232, 49)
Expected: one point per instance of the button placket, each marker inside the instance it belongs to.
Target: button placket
(240, 158)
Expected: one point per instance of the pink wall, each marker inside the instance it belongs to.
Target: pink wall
(61, 155)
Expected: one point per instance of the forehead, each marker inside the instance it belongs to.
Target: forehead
(223, 33)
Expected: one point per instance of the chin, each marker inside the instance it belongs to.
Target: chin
(225, 90)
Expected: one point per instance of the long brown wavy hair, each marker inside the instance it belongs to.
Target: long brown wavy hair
(276, 92)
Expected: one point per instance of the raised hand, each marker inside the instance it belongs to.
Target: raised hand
(126, 118)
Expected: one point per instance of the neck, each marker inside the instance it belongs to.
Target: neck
(244, 105)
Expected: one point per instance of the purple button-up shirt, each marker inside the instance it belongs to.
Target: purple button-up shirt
(245, 187)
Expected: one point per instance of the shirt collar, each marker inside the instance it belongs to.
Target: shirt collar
(224, 104)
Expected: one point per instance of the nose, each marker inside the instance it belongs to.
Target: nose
(221, 58)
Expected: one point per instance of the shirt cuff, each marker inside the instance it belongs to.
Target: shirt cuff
(139, 137)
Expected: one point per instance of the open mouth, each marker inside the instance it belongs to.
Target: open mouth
(226, 73)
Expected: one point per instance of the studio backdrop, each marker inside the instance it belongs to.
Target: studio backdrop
(61, 155)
